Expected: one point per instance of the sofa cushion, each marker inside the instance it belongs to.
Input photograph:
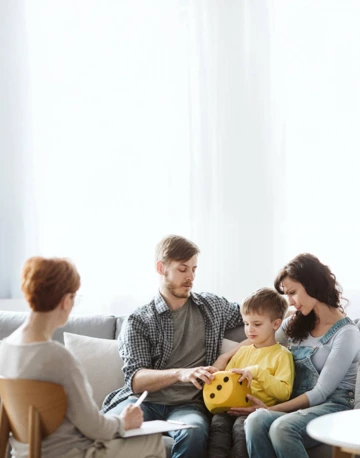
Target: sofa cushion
(9, 321)
(101, 326)
(237, 334)
(119, 322)
(228, 345)
(101, 361)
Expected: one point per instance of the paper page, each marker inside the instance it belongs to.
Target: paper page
(156, 426)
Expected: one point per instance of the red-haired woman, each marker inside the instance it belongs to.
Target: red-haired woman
(50, 286)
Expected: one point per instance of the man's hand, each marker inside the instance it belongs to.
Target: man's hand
(204, 373)
(132, 417)
(245, 374)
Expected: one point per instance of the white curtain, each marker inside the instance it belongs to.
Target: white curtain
(233, 145)
(17, 235)
(316, 104)
(232, 123)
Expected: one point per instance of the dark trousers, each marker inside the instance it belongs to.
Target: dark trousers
(227, 437)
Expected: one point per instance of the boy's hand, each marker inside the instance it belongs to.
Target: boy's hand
(245, 374)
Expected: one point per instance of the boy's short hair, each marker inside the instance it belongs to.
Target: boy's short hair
(265, 301)
(175, 248)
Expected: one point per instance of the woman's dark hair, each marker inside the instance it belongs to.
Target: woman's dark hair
(319, 282)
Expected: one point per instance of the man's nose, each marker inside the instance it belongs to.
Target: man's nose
(191, 276)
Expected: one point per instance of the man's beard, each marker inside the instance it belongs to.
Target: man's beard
(175, 290)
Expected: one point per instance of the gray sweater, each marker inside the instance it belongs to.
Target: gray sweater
(52, 362)
(336, 361)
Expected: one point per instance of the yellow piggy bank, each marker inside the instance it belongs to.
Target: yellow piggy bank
(225, 391)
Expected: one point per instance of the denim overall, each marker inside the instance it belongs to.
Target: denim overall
(307, 375)
(272, 434)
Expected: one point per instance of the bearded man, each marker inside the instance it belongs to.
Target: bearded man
(171, 346)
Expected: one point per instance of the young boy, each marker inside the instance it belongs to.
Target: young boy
(266, 365)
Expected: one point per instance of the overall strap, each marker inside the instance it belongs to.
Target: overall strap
(334, 329)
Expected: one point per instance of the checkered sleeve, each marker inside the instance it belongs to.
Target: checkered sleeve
(134, 348)
(232, 313)
(224, 311)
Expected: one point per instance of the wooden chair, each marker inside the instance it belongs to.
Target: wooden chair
(31, 411)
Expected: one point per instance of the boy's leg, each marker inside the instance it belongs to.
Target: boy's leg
(238, 434)
(189, 443)
(220, 440)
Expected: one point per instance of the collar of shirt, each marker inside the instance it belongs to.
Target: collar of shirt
(161, 305)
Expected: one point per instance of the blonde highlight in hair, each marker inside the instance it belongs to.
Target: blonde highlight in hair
(265, 301)
(45, 281)
(175, 248)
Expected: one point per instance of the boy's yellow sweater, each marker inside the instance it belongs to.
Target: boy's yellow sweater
(272, 369)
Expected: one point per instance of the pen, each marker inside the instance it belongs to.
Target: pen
(141, 398)
(176, 422)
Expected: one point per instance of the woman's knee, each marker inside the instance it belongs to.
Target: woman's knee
(257, 422)
(283, 428)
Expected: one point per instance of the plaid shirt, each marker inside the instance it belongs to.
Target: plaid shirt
(146, 338)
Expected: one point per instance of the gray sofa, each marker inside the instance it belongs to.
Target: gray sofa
(108, 327)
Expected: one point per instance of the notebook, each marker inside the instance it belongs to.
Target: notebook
(156, 426)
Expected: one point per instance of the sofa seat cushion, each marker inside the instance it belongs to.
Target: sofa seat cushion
(101, 361)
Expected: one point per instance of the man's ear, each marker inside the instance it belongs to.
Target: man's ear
(277, 323)
(160, 267)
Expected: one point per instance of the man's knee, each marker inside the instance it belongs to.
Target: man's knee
(120, 407)
(194, 436)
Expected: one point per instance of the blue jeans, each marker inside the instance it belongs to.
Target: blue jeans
(272, 434)
(189, 443)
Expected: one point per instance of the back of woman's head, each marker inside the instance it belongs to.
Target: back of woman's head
(318, 281)
(45, 281)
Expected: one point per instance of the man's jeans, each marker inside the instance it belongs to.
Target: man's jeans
(189, 443)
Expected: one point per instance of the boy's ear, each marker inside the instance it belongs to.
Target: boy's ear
(277, 323)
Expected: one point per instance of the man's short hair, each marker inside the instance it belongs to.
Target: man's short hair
(265, 301)
(175, 248)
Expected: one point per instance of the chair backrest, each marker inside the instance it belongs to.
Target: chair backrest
(31, 410)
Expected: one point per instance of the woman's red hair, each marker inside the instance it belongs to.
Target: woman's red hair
(45, 281)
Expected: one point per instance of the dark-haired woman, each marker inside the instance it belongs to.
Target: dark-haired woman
(325, 345)
(49, 286)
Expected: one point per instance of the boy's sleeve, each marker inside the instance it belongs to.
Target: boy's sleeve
(279, 385)
(236, 360)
